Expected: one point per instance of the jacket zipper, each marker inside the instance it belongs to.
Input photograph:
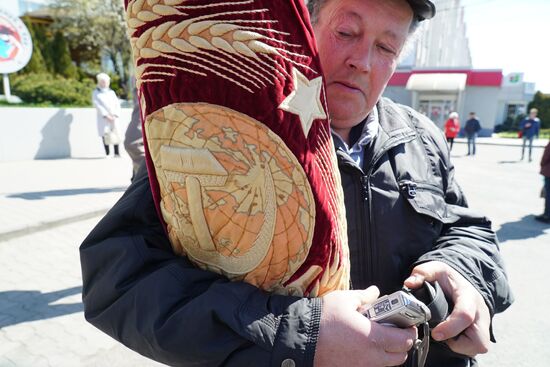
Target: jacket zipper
(370, 243)
(410, 187)
(364, 250)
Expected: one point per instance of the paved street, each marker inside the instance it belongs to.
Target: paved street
(41, 319)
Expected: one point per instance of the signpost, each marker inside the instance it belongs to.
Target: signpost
(15, 48)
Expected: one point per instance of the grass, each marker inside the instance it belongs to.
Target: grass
(544, 134)
(45, 104)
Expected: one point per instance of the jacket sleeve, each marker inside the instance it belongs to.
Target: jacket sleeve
(545, 160)
(468, 244)
(160, 305)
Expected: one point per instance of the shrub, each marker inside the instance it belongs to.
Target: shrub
(46, 89)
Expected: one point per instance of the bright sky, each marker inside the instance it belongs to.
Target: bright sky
(512, 35)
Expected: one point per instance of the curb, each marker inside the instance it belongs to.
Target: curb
(42, 226)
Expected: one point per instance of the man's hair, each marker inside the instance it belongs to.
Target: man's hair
(533, 110)
(314, 6)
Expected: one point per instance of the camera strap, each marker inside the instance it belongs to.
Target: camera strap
(422, 346)
(434, 298)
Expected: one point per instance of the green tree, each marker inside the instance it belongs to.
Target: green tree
(541, 102)
(36, 63)
(95, 28)
(63, 64)
(43, 42)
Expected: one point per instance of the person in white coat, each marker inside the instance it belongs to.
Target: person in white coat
(107, 105)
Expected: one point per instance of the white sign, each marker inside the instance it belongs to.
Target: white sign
(15, 43)
(513, 79)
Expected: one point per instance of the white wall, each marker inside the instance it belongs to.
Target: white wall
(484, 102)
(46, 133)
(442, 41)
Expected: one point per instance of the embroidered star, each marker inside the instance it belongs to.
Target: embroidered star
(305, 100)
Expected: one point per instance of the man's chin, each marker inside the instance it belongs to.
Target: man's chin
(348, 114)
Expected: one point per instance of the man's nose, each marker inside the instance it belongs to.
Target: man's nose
(360, 58)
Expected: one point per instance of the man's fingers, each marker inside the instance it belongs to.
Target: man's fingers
(468, 344)
(395, 359)
(396, 340)
(423, 272)
(459, 320)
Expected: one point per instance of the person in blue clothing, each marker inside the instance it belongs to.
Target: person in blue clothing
(529, 128)
(471, 129)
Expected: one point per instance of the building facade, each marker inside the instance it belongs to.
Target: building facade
(442, 41)
(438, 92)
(437, 76)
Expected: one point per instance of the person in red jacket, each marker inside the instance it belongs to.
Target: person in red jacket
(452, 127)
(545, 171)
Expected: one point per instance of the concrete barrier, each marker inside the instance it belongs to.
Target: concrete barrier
(49, 133)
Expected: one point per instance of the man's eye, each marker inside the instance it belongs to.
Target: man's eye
(387, 49)
(344, 34)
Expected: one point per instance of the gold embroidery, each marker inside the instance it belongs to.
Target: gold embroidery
(234, 197)
(203, 38)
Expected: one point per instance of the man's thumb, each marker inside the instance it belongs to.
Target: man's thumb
(368, 295)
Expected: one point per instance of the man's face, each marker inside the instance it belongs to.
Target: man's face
(532, 114)
(359, 43)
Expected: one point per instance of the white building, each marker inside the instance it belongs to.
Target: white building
(437, 77)
(442, 40)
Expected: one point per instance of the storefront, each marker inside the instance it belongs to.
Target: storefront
(438, 92)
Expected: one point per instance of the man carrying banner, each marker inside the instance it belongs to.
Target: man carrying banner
(407, 219)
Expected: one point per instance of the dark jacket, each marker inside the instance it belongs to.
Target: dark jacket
(530, 127)
(545, 162)
(403, 208)
(472, 127)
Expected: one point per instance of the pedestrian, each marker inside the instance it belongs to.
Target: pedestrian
(545, 172)
(107, 106)
(133, 139)
(452, 127)
(407, 221)
(471, 129)
(529, 128)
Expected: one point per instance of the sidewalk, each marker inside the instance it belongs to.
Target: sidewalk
(41, 194)
(43, 206)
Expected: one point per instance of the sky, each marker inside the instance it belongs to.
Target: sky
(512, 35)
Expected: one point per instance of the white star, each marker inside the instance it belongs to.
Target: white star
(305, 100)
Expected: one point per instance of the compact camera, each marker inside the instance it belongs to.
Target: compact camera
(399, 309)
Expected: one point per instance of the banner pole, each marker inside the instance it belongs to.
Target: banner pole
(7, 91)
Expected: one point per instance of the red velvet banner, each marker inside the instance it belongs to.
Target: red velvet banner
(238, 143)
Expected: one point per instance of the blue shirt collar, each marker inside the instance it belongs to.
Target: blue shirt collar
(357, 151)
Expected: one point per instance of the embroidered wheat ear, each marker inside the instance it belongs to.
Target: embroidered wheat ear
(191, 37)
(140, 12)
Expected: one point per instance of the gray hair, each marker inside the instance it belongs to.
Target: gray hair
(314, 6)
(102, 76)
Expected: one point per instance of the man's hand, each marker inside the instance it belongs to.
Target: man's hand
(347, 338)
(466, 330)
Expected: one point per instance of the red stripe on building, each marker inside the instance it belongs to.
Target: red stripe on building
(476, 78)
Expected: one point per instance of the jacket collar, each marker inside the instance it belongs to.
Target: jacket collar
(396, 127)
